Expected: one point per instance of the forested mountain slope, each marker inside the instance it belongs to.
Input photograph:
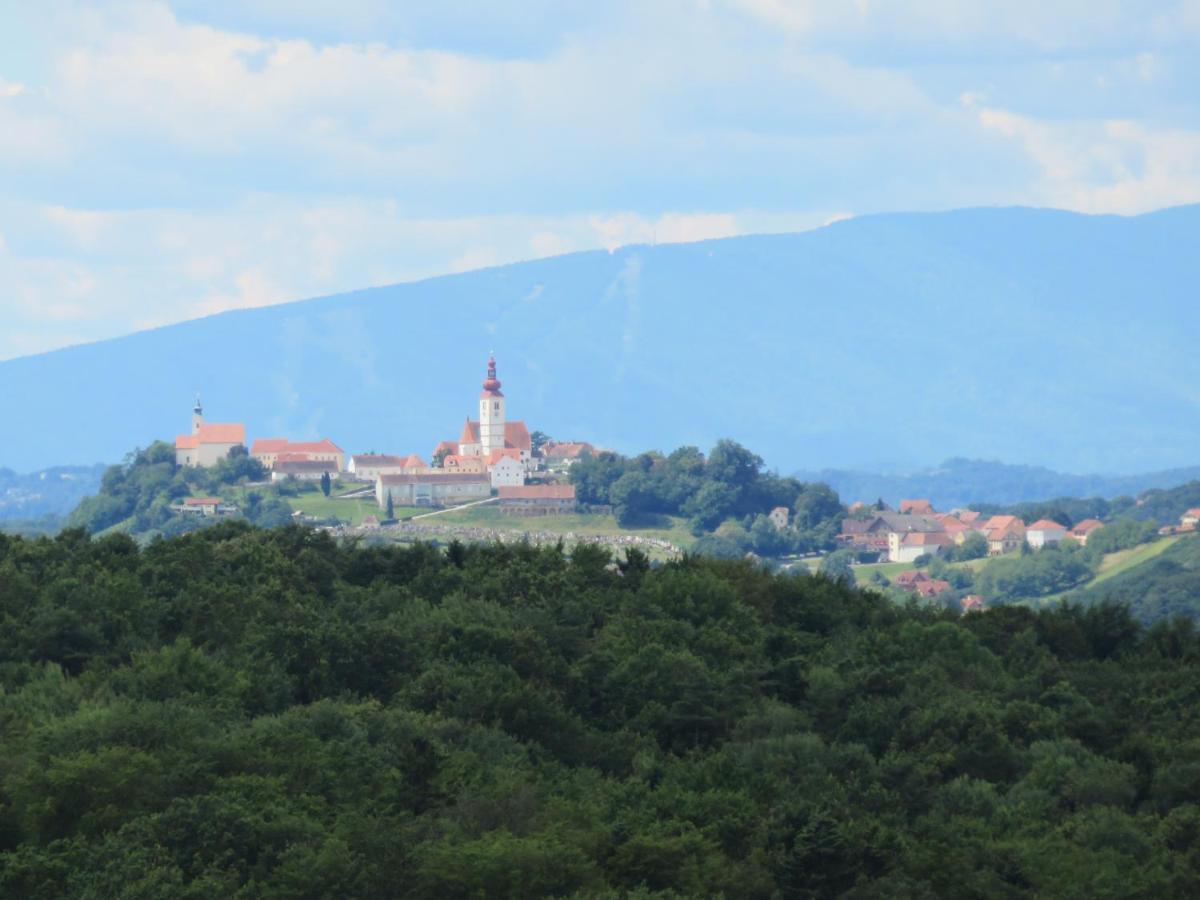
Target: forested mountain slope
(267, 713)
(1025, 335)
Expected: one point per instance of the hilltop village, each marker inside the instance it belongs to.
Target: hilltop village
(493, 460)
(720, 504)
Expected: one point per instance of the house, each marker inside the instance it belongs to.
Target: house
(911, 545)
(916, 507)
(432, 488)
(505, 468)
(873, 533)
(973, 603)
(910, 577)
(454, 462)
(1191, 517)
(537, 500)
(301, 469)
(1005, 534)
(1043, 532)
(931, 588)
(966, 516)
(1001, 542)
(369, 466)
(209, 442)
(958, 530)
(779, 517)
(205, 506)
(567, 453)
(1083, 530)
(269, 451)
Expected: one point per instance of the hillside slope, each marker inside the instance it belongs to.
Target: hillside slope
(959, 482)
(1018, 334)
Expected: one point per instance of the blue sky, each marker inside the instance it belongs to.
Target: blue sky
(162, 161)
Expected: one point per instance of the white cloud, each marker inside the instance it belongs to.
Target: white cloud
(1114, 166)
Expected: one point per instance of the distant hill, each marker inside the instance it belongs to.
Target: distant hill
(958, 482)
(50, 492)
(879, 342)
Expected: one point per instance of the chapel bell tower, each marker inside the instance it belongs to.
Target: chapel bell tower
(491, 412)
(197, 416)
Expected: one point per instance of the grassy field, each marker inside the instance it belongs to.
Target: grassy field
(671, 529)
(864, 574)
(1123, 560)
(321, 507)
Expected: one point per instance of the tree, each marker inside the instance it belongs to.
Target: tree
(391, 508)
(631, 497)
(537, 441)
(731, 464)
(439, 458)
(326, 484)
(836, 566)
(709, 506)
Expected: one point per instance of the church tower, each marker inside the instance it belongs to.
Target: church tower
(197, 416)
(491, 412)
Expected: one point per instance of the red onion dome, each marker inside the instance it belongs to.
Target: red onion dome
(492, 384)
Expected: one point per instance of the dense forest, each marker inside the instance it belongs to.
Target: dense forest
(239, 712)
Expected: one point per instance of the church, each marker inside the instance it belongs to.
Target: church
(492, 436)
(209, 442)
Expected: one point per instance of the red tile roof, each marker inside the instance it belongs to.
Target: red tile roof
(214, 433)
(931, 588)
(926, 539)
(412, 461)
(375, 459)
(567, 450)
(264, 446)
(202, 501)
(919, 507)
(1045, 525)
(1087, 526)
(283, 445)
(517, 435)
(496, 455)
(470, 432)
(538, 492)
(1194, 511)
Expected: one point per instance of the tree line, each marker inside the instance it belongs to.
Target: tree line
(729, 483)
(242, 712)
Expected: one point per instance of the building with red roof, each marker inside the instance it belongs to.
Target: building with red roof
(1191, 517)
(912, 545)
(537, 500)
(209, 442)
(270, 451)
(916, 507)
(932, 588)
(1083, 530)
(1044, 532)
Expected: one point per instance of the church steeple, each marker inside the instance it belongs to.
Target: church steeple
(197, 416)
(491, 412)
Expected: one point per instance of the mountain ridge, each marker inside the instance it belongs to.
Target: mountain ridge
(880, 339)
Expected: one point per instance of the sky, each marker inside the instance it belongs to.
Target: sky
(161, 161)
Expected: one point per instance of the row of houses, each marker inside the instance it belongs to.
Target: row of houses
(919, 530)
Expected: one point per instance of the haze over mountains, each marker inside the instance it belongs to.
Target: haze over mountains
(1031, 336)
